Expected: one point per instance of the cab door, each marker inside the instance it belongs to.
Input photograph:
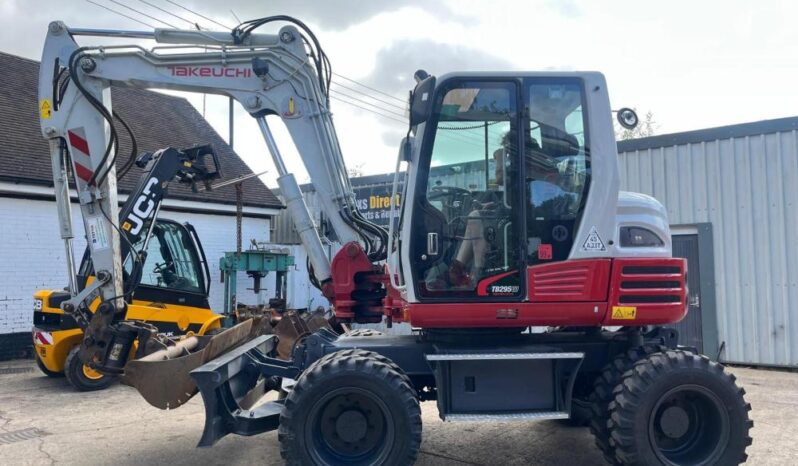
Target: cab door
(466, 222)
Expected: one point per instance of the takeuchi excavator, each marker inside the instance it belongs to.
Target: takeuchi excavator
(512, 221)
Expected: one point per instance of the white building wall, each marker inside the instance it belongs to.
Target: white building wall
(32, 255)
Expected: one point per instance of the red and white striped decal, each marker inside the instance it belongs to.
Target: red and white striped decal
(80, 147)
(42, 338)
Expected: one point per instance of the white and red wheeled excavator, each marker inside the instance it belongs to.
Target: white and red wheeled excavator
(512, 219)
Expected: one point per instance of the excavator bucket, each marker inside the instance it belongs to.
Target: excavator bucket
(163, 379)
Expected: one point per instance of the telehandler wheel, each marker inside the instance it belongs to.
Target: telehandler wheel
(350, 408)
(45, 370)
(81, 376)
(679, 408)
(602, 395)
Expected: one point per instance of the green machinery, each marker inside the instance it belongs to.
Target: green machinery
(257, 263)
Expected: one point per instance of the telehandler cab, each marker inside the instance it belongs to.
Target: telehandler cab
(513, 219)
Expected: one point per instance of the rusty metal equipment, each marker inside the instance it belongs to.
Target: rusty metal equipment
(257, 263)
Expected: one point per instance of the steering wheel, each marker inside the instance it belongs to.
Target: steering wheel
(436, 192)
(450, 195)
(164, 267)
(457, 205)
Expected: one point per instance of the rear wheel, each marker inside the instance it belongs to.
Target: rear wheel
(679, 408)
(45, 370)
(350, 408)
(81, 376)
(602, 395)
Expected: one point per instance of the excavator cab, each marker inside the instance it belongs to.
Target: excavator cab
(502, 178)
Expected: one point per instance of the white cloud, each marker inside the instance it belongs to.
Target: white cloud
(694, 64)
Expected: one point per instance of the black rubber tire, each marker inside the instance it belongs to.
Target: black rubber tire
(713, 422)
(363, 332)
(379, 357)
(45, 370)
(354, 373)
(602, 395)
(73, 369)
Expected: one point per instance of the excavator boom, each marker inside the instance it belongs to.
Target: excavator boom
(282, 74)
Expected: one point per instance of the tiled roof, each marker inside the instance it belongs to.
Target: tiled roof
(157, 120)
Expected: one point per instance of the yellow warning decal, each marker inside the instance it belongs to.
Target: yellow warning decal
(45, 109)
(126, 226)
(624, 312)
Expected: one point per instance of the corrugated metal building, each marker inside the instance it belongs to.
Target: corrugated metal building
(732, 199)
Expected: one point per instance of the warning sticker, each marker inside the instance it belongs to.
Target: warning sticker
(593, 242)
(43, 338)
(96, 234)
(545, 252)
(291, 108)
(45, 109)
(624, 312)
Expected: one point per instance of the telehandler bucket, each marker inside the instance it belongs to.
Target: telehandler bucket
(163, 379)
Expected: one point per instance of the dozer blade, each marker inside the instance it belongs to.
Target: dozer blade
(231, 386)
(163, 379)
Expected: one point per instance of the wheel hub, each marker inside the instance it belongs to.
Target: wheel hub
(351, 426)
(674, 422)
(90, 373)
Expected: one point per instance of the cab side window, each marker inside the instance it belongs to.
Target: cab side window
(557, 168)
(169, 263)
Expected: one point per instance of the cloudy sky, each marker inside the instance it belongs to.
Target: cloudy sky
(694, 64)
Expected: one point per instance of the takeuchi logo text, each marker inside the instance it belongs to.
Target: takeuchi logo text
(210, 71)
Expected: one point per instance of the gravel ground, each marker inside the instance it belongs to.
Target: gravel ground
(51, 423)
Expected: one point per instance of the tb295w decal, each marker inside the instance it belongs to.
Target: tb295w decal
(142, 209)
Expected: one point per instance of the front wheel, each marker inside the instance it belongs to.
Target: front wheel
(81, 376)
(679, 408)
(350, 408)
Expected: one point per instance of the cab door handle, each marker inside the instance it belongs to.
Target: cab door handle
(432, 244)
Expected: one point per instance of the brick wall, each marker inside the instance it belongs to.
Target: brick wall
(32, 255)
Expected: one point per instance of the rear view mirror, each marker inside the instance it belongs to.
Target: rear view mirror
(421, 99)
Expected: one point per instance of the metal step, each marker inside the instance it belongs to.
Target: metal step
(506, 417)
(490, 356)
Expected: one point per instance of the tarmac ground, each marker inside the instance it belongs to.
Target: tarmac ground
(43, 421)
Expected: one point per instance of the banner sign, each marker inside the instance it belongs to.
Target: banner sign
(374, 202)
